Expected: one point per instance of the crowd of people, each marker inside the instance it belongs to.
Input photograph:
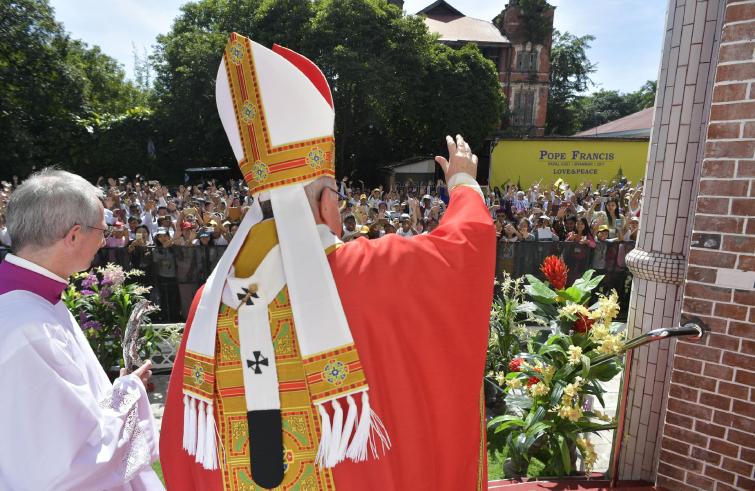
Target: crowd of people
(606, 212)
(162, 230)
(145, 213)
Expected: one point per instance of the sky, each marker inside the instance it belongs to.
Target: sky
(627, 48)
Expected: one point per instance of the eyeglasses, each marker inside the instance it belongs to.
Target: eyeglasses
(103, 230)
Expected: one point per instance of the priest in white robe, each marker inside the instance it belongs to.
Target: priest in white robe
(63, 425)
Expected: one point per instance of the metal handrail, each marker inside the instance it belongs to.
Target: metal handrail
(692, 328)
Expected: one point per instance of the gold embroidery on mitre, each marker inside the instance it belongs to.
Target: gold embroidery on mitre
(248, 112)
(316, 158)
(260, 171)
(283, 164)
(236, 52)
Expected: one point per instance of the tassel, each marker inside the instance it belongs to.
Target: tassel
(337, 432)
(369, 429)
(378, 429)
(186, 423)
(348, 428)
(191, 428)
(357, 451)
(201, 431)
(322, 451)
(210, 461)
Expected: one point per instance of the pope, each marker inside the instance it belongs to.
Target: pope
(307, 363)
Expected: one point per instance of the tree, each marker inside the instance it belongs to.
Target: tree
(50, 87)
(186, 64)
(644, 97)
(392, 82)
(570, 76)
(601, 107)
(604, 106)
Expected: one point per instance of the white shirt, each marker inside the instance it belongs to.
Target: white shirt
(63, 425)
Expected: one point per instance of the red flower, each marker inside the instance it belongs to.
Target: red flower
(583, 324)
(555, 272)
(532, 381)
(515, 364)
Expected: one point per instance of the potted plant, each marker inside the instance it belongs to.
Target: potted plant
(548, 386)
(102, 300)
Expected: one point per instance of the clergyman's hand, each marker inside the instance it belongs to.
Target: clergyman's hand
(143, 372)
(460, 158)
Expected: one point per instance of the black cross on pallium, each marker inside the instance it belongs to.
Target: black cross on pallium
(248, 295)
(258, 360)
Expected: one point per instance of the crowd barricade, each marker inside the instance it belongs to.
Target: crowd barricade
(176, 273)
(606, 258)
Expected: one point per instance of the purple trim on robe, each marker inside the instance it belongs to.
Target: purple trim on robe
(14, 277)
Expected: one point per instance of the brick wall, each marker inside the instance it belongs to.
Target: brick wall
(709, 433)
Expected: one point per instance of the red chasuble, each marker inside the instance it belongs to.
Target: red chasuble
(418, 309)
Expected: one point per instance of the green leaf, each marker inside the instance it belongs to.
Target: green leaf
(539, 291)
(551, 348)
(536, 429)
(526, 307)
(605, 371)
(587, 283)
(557, 391)
(501, 423)
(565, 455)
(535, 416)
(585, 367)
(572, 293)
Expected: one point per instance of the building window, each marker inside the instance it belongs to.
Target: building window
(524, 108)
(526, 61)
(491, 54)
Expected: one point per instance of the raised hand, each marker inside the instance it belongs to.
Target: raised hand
(460, 158)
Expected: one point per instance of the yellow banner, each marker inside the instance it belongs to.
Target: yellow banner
(575, 161)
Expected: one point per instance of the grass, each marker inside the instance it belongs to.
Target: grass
(495, 467)
(159, 471)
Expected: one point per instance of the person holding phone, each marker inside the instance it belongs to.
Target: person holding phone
(614, 219)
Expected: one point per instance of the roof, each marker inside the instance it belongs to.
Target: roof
(454, 27)
(419, 165)
(440, 7)
(465, 29)
(636, 124)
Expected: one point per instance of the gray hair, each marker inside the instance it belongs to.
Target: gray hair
(45, 207)
(313, 191)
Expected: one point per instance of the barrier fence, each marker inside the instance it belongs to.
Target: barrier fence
(175, 273)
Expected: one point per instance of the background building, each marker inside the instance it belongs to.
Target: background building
(521, 53)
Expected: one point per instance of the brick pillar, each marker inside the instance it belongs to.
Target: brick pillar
(709, 432)
(658, 263)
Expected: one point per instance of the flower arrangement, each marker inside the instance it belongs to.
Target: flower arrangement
(548, 387)
(508, 334)
(102, 301)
